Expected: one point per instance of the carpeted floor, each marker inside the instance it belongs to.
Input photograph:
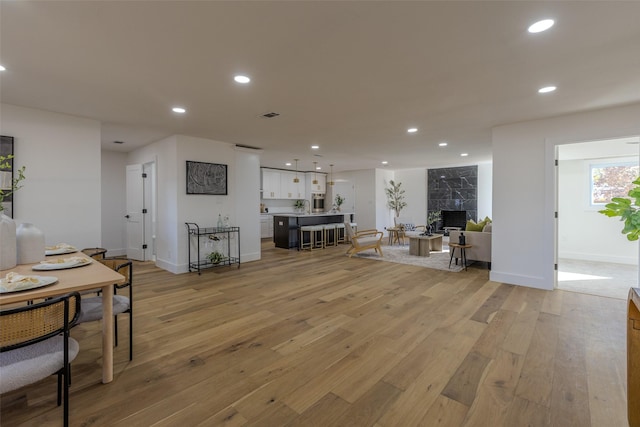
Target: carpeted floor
(400, 254)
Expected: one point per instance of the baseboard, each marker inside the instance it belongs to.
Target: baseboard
(599, 258)
(520, 280)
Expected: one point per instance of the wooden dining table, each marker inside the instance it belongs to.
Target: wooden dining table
(92, 276)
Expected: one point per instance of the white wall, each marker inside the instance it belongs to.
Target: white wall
(414, 183)
(485, 190)
(384, 215)
(524, 188)
(364, 182)
(583, 233)
(175, 207)
(62, 190)
(113, 202)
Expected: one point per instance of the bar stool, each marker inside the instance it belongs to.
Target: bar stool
(317, 232)
(308, 229)
(340, 233)
(330, 229)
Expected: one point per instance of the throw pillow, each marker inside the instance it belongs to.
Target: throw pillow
(487, 228)
(409, 227)
(487, 220)
(472, 226)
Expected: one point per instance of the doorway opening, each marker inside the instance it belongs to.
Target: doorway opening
(593, 256)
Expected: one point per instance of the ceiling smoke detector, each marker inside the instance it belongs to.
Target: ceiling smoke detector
(270, 115)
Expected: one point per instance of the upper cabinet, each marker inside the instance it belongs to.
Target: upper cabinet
(277, 184)
(290, 189)
(320, 186)
(270, 184)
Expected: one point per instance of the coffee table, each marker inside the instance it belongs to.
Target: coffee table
(423, 245)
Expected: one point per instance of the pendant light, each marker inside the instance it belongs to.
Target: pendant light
(315, 172)
(330, 175)
(296, 180)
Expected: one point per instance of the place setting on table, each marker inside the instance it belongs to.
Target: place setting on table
(16, 282)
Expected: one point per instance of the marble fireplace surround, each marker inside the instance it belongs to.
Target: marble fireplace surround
(453, 189)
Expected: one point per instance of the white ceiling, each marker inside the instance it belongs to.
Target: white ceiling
(348, 76)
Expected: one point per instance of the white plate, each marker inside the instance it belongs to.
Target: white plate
(42, 281)
(45, 265)
(61, 251)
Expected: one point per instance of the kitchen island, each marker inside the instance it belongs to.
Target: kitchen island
(286, 227)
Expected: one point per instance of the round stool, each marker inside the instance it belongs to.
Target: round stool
(329, 230)
(340, 233)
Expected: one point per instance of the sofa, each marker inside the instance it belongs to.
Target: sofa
(480, 242)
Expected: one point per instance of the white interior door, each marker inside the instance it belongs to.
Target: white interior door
(135, 216)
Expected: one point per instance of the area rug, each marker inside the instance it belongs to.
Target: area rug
(400, 255)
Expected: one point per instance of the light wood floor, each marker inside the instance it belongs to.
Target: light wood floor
(319, 339)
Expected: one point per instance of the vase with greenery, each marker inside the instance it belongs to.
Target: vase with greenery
(338, 200)
(298, 205)
(432, 218)
(8, 240)
(628, 209)
(395, 197)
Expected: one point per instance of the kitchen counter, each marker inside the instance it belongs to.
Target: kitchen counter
(286, 226)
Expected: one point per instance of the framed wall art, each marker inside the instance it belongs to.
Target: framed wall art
(206, 178)
(6, 175)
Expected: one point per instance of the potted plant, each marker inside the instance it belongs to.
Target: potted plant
(628, 209)
(395, 197)
(298, 205)
(432, 218)
(339, 200)
(5, 166)
(215, 257)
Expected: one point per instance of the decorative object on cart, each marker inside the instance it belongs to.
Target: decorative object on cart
(395, 197)
(197, 261)
(220, 223)
(298, 205)
(30, 243)
(432, 220)
(628, 209)
(206, 178)
(216, 257)
(339, 200)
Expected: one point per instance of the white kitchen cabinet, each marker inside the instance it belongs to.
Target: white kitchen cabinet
(290, 189)
(321, 186)
(270, 184)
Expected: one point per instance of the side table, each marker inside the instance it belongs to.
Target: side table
(463, 253)
(395, 235)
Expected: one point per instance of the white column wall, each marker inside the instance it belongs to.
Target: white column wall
(524, 188)
(61, 194)
(384, 215)
(414, 183)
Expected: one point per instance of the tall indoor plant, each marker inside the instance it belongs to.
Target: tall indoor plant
(395, 197)
(628, 209)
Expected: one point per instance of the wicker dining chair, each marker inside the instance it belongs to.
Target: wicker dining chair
(91, 309)
(35, 343)
(95, 253)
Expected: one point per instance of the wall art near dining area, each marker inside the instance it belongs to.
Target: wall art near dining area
(6, 175)
(206, 178)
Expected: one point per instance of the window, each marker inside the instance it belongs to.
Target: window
(609, 180)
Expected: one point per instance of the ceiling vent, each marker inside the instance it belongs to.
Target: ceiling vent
(118, 142)
(270, 115)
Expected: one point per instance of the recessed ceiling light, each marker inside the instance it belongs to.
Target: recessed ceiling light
(288, 164)
(442, 144)
(464, 154)
(547, 89)
(2, 68)
(178, 110)
(318, 168)
(384, 162)
(412, 130)
(315, 147)
(540, 26)
(242, 79)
